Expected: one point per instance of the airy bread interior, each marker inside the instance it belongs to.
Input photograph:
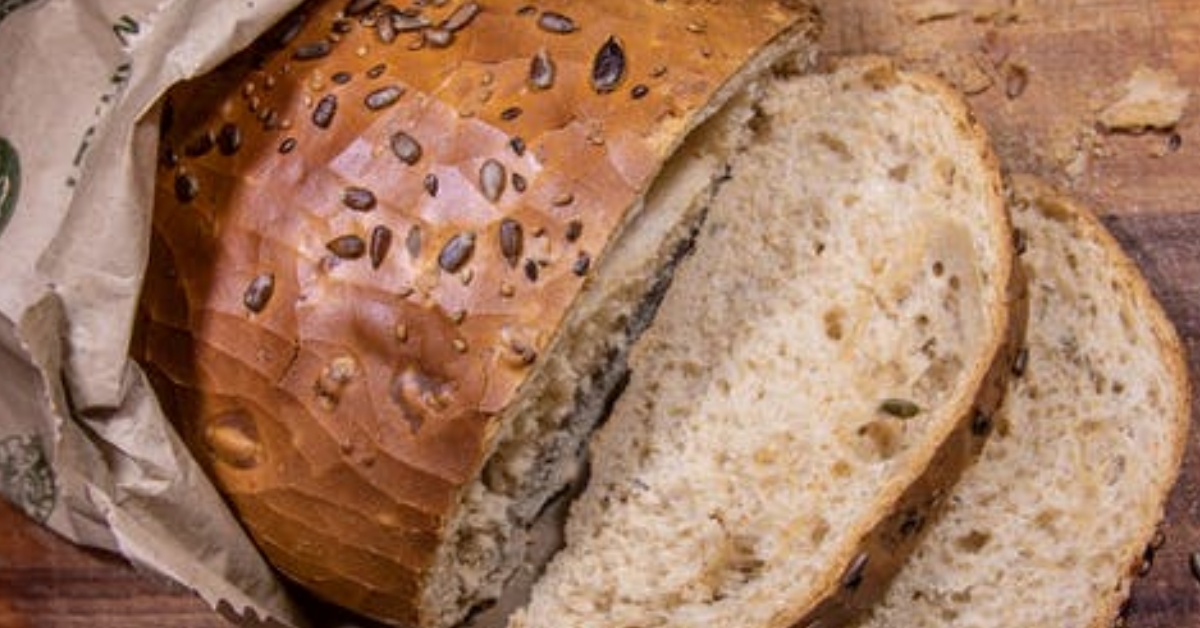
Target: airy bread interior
(1048, 527)
(488, 565)
(828, 331)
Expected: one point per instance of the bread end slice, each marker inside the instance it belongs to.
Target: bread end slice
(1050, 527)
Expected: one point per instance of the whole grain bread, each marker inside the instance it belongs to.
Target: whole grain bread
(393, 260)
(821, 369)
(1052, 525)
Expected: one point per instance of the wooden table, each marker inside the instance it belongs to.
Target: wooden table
(1039, 73)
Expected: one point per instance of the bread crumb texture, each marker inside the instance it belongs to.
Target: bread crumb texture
(1046, 529)
(850, 261)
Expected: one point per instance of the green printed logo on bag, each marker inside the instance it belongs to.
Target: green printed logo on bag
(10, 181)
(26, 478)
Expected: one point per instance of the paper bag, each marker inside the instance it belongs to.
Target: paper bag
(84, 446)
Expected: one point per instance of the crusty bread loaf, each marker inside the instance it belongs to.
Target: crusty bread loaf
(393, 258)
(1051, 526)
(820, 370)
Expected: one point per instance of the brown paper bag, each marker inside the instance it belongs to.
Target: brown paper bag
(84, 447)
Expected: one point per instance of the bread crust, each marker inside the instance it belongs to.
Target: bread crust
(1032, 190)
(906, 512)
(335, 314)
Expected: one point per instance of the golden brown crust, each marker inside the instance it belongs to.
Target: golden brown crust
(332, 314)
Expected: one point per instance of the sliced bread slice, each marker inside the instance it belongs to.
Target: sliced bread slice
(1049, 528)
(809, 386)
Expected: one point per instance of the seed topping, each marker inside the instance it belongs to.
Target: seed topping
(355, 8)
(512, 240)
(229, 139)
(431, 184)
(259, 292)
(383, 97)
(358, 199)
(582, 263)
(341, 78)
(412, 241)
(519, 183)
(438, 37)
(288, 145)
(518, 146)
(608, 69)
(510, 114)
(541, 70)
(456, 252)
(326, 109)
(314, 50)
(347, 246)
(1020, 363)
(381, 242)
(981, 423)
(853, 577)
(574, 230)
(199, 146)
(552, 22)
(492, 179)
(376, 70)
(639, 91)
(900, 408)
(461, 16)
(187, 187)
(406, 148)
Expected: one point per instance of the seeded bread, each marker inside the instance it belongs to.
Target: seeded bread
(816, 377)
(394, 254)
(1053, 523)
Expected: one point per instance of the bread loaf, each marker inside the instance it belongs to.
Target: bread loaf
(398, 253)
(820, 371)
(1054, 522)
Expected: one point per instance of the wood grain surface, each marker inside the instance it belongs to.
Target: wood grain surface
(1038, 71)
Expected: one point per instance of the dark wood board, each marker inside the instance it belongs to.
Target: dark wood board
(1075, 55)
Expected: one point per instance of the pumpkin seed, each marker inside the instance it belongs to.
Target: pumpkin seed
(259, 292)
(326, 109)
(900, 408)
(314, 50)
(511, 241)
(355, 8)
(541, 70)
(853, 577)
(381, 243)
(358, 199)
(492, 179)
(383, 97)
(406, 148)
(187, 187)
(456, 252)
(608, 69)
(461, 17)
(347, 246)
(229, 139)
(552, 22)
(412, 241)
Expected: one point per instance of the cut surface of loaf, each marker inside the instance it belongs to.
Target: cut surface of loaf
(395, 251)
(1051, 525)
(819, 354)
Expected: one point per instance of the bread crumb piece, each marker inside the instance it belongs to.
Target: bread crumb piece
(1153, 99)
